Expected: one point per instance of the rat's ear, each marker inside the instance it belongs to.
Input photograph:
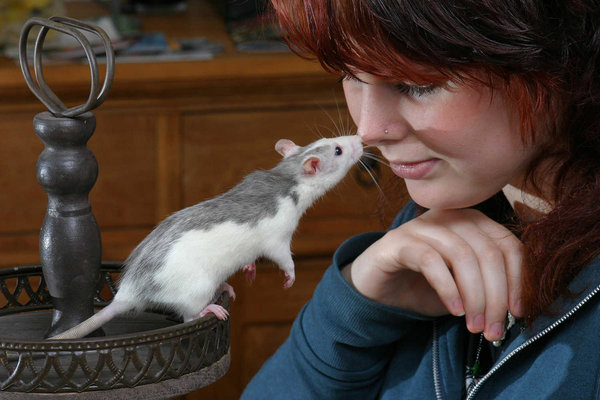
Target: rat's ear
(285, 147)
(311, 165)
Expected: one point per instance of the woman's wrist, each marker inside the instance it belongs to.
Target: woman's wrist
(371, 283)
(404, 289)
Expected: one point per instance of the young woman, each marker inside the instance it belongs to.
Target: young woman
(486, 286)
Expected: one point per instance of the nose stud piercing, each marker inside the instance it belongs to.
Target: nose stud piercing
(385, 131)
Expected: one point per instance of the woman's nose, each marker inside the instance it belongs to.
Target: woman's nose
(380, 117)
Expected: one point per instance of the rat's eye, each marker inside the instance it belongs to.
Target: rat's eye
(338, 151)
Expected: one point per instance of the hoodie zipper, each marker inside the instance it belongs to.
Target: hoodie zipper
(435, 349)
(436, 366)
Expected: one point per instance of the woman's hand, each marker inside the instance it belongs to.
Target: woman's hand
(445, 261)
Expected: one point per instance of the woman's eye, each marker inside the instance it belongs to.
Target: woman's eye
(409, 89)
(338, 151)
(415, 90)
(343, 78)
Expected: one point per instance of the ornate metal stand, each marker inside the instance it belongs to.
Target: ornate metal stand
(139, 358)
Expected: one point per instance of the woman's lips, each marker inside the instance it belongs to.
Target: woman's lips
(414, 170)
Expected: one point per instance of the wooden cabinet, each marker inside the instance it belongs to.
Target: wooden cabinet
(173, 134)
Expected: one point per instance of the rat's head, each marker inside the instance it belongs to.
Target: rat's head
(322, 163)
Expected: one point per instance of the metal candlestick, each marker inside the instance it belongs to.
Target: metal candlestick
(70, 245)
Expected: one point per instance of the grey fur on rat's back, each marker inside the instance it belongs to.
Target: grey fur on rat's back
(252, 200)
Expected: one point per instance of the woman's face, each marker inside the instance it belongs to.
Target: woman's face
(454, 146)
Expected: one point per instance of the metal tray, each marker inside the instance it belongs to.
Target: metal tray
(140, 355)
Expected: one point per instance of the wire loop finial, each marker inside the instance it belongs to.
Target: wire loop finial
(40, 88)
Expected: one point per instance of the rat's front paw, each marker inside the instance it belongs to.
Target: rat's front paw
(289, 280)
(250, 271)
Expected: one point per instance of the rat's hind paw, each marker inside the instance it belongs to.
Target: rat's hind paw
(226, 287)
(216, 309)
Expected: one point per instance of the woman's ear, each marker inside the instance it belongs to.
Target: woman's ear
(285, 147)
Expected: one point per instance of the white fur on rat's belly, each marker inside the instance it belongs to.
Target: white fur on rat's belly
(200, 260)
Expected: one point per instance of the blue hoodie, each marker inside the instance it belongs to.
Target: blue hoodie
(344, 346)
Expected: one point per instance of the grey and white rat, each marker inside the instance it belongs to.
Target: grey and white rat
(183, 264)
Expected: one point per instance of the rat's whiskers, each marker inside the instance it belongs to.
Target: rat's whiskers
(375, 157)
(368, 170)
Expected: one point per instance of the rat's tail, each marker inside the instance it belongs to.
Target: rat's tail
(94, 322)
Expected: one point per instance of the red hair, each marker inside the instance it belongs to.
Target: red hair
(548, 74)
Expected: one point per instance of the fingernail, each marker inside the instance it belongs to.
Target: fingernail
(518, 307)
(459, 309)
(496, 330)
(478, 323)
